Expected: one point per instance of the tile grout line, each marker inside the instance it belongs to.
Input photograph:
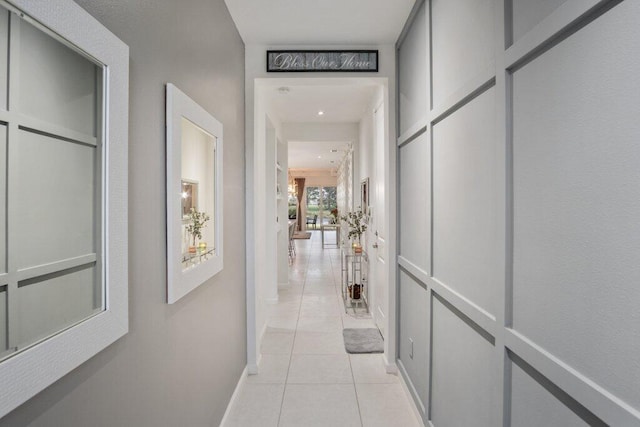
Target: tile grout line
(305, 262)
(310, 273)
(309, 252)
(353, 378)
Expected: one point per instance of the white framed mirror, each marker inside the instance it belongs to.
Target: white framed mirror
(194, 195)
(63, 193)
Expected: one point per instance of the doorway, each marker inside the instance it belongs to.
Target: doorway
(322, 205)
(273, 99)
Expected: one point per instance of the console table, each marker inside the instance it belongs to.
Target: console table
(191, 259)
(325, 227)
(354, 267)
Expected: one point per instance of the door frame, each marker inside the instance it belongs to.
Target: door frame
(256, 253)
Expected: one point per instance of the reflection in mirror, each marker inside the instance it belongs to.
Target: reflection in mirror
(4, 345)
(198, 166)
(189, 197)
(194, 203)
(51, 197)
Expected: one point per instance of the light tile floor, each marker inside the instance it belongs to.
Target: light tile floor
(306, 377)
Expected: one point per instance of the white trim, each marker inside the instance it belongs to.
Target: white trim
(256, 79)
(597, 399)
(234, 397)
(390, 368)
(414, 131)
(563, 17)
(410, 398)
(390, 206)
(26, 374)
(254, 369)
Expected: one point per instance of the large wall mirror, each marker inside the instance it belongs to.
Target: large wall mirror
(63, 192)
(194, 195)
(51, 263)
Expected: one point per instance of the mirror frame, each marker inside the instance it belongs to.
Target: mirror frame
(29, 372)
(180, 282)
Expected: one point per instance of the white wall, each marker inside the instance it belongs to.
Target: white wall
(179, 364)
(365, 160)
(283, 214)
(518, 213)
(276, 219)
(268, 130)
(269, 183)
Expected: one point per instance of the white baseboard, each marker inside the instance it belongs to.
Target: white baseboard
(380, 320)
(252, 369)
(412, 403)
(262, 332)
(234, 396)
(391, 368)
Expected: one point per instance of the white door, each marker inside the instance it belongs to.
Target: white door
(377, 253)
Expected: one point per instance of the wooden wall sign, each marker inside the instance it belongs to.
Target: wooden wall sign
(283, 61)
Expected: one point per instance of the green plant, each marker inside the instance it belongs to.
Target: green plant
(198, 222)
(357, 222)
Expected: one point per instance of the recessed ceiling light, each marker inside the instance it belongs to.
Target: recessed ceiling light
(319, 157)
(334, 151)
(321, 113)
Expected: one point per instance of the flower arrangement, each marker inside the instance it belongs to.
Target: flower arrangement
(198, 222)
(357, 222)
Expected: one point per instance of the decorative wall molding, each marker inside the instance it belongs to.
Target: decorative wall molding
(586, 398)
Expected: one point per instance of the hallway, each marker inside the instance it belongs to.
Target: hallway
(306, 377)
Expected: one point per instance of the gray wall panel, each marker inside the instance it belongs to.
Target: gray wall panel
(467, 219)
(532, 405)
(414, 318)
(414, 74)
(415, 202)
(462, 44)
(3, 199)
(463, 376)
(3, 319)
(4, 56)
(527, 14)
(577, 201)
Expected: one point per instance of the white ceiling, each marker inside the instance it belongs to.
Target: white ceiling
(343, 100)
(316, 155)
(317, 22)
(339, 103)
